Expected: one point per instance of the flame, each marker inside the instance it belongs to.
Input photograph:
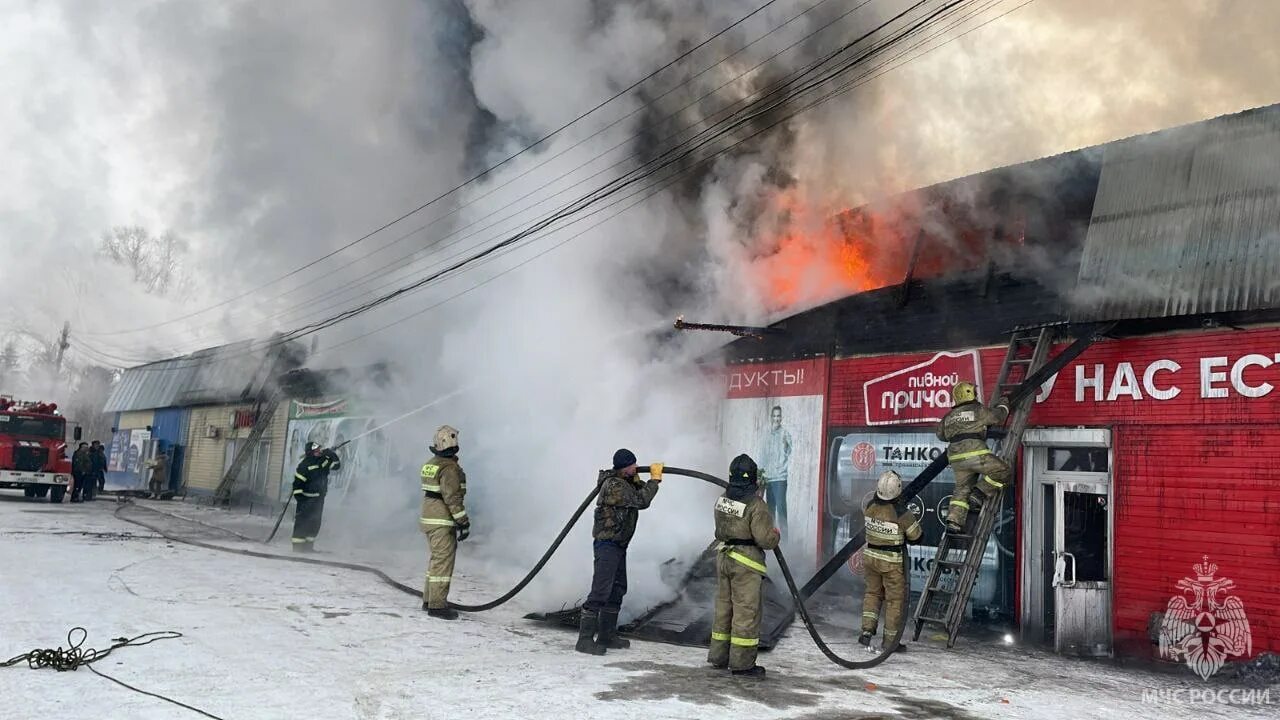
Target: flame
(822, 253)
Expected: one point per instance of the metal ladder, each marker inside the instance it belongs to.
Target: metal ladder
(266, 412)
(959, 558)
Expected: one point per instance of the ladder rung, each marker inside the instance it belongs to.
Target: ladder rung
(950, 563)
(926, 618)
(939, 590)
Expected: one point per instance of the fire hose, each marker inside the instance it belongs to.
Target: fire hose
(797, 594)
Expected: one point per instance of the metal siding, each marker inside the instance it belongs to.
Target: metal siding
(223, 374)
(1186, 222)
(170, 426)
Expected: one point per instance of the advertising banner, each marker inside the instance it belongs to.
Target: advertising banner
(773, 412)
(857, 457)
(330, 424)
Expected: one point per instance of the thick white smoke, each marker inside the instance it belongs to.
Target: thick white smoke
(271, 134)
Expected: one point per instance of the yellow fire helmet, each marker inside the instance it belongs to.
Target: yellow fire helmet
(964, 392)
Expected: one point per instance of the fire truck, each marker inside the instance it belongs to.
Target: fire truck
(33, 449)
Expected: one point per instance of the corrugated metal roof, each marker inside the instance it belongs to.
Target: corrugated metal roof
(1186, 222)
(229, 373)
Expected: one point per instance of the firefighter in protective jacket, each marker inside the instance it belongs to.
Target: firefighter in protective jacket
(444, 520)
(889, 529)
(622, 496)
(745, 530)
(964, 428)
(310, 484)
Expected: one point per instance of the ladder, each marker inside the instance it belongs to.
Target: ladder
(959, 558)
(266, 411)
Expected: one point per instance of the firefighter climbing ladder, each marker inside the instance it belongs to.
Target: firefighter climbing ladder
(266, 411)
(959, 558)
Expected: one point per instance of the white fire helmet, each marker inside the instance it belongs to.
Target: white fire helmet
(890, 486)
(446, 438)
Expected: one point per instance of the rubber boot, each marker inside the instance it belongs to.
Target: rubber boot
(865, 638)
(609, 632)
(755, 672)
(587, 627)
(902, 647)
(446, 613)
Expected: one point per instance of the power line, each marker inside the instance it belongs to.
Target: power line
(606, 192)
(356, 281)
(465, 183)
(733, 106)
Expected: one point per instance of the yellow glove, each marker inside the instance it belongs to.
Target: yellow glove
(655, 471)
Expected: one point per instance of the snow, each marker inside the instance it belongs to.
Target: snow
(270, 639)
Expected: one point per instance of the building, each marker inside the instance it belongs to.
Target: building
(200, 410)
(1148, 464)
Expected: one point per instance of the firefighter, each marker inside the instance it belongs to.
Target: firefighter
(964, 428)
(444, 520)
(81, 472)
(310, 484)
(888, 530)
(744, 527)
(622, 496)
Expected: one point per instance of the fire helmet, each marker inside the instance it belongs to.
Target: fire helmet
(446, 439)
(743, 471)
(889, 486)
(312, 447)
(964, 392)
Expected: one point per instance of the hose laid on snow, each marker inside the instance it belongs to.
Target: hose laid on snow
(795, 592)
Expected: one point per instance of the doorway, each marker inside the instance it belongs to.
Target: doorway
(1067, 541)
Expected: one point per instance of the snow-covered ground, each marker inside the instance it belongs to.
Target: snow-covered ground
(270, 639)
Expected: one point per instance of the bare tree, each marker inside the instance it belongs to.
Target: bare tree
(156, 260)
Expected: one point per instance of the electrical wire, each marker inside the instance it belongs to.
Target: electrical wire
(858, 81)
(626, 181)
(470, 180)
(399, 261)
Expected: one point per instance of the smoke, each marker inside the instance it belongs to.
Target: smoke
(269, 134)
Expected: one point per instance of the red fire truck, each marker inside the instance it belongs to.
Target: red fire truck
(33, 449)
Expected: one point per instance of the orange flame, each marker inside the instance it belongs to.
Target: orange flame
(824, 253)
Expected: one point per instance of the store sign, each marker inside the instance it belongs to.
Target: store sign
(920, 393)
(1213, 377)
(335, 408)
(787, 379)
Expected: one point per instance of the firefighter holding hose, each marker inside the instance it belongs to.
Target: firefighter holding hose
(310, 485)
(744, 527)
(888, 530)
(964, 428)
(444, 520)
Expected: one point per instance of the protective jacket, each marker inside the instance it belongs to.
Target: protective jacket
(964, 428)
(888, 530)
(311, 479)
(745, 531)
(618, 506)
(444, 490)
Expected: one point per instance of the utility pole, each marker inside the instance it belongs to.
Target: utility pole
(63, 344)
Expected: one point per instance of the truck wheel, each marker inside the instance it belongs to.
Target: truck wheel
(42, 491)
(56, 494)
(28, 491)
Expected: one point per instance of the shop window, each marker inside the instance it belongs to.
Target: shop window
(1077, 459)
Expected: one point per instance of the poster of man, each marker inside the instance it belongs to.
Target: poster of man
(775, 456)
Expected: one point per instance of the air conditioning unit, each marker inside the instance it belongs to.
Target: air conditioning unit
(212, 431)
